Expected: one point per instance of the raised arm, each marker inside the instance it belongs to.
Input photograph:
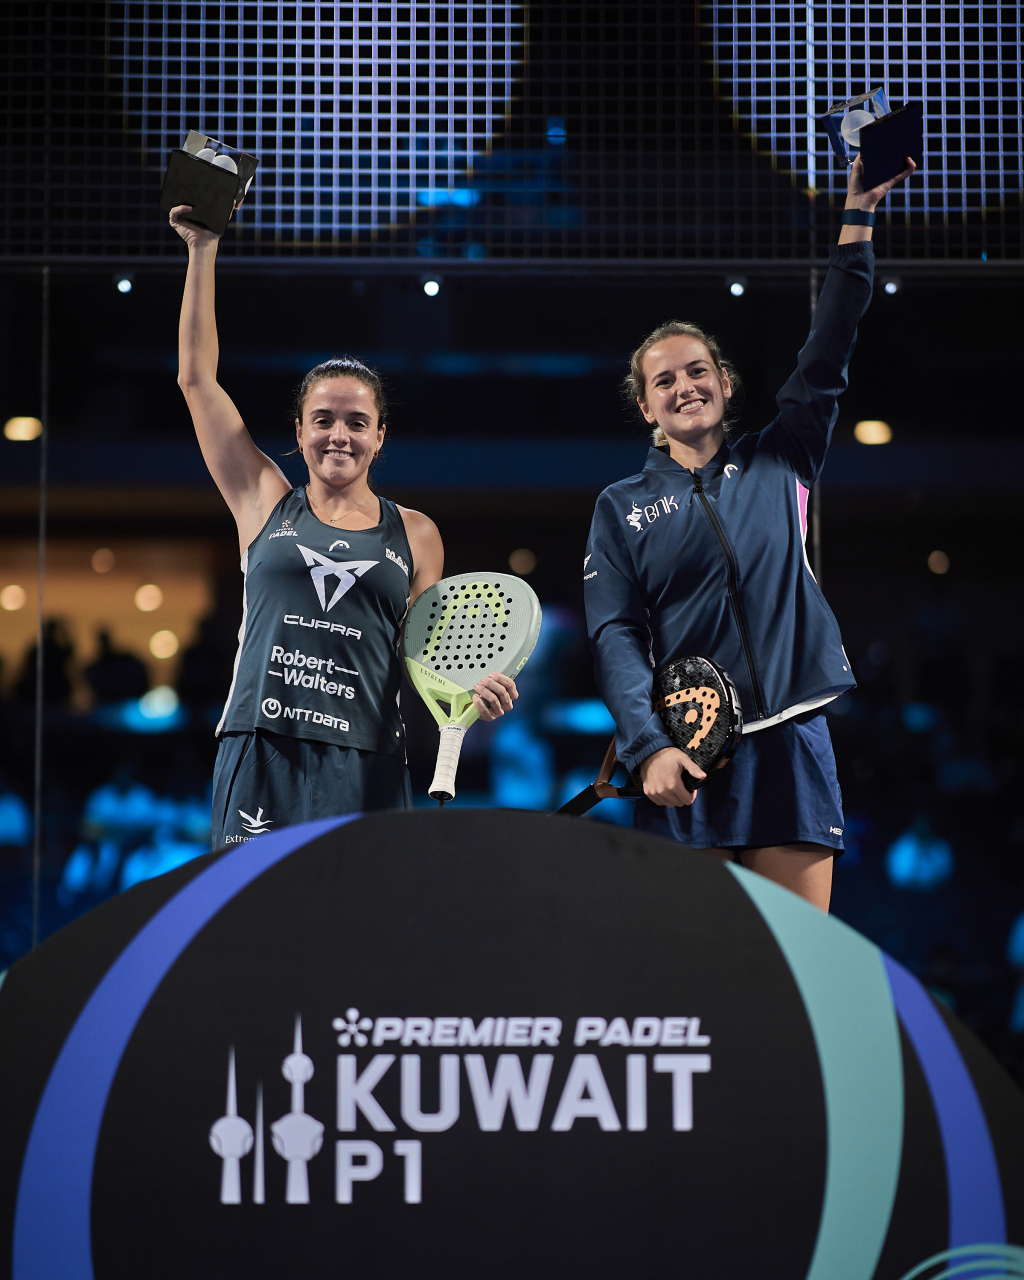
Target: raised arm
(250, 482)
(809, 402)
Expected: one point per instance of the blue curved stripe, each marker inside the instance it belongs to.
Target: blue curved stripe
(52, 1236)
(976, 1210)
(842, 981)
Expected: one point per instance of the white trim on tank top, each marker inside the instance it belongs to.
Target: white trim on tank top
(241, 639)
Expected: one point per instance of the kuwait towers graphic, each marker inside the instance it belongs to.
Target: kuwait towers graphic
(297, 1137)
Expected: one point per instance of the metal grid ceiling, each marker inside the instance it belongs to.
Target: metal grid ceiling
(963, 62)
(500, 130)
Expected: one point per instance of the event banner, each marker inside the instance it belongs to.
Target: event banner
(490, 1043)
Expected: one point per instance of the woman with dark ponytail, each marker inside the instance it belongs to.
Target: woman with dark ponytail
(311, 727)
(703, 553)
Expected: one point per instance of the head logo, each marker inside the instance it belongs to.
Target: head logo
(271, 708)
(255, 826)
(634, 517)
(338, 543)
(321, 568)
(730, 469)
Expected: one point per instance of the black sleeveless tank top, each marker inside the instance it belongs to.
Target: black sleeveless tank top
(318, 649)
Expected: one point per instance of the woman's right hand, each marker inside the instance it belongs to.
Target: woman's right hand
(192, 233)
(662, 776)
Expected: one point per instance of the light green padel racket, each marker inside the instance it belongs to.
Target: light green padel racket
(460, 629)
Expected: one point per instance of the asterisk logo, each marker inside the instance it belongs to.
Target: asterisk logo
(352, 1028)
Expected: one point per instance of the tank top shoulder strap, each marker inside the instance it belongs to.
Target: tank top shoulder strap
(392, 523)
(288, 506)
(293, 503)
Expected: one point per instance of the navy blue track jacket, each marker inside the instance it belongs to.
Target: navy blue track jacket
(713, 562)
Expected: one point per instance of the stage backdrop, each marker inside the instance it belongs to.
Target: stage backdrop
(505, 130)
(496, 1043)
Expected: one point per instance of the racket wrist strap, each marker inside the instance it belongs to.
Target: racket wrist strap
(448, 751)
(607, 765)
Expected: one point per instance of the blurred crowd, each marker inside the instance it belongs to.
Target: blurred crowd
(930, 757)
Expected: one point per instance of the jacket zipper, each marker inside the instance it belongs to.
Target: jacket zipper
(734, 595)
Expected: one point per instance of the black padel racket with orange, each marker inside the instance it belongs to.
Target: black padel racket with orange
(700, 708)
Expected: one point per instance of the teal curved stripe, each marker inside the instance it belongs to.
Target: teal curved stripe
(846, 993)
(973, 1262)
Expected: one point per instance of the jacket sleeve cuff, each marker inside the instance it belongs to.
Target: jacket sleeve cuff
(840, 253)
(650, 739)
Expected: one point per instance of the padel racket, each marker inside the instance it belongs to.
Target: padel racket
(460, 629)
(700, 708)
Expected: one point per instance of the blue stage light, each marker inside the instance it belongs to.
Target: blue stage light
(581, 715)
(164, 854)
(919, 717)
(556, 131)
(918, 859)
(155, 712)
(458, 197)
(15, 820)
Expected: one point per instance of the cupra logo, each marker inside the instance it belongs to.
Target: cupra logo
(322, 568)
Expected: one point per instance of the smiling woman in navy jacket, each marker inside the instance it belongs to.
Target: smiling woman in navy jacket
(703, 553)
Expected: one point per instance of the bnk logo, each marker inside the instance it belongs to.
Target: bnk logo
(650, 513)
(322, 567)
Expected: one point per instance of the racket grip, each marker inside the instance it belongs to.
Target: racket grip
(448, 751)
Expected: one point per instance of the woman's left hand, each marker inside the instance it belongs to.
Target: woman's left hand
(493, 695)
(858, 198)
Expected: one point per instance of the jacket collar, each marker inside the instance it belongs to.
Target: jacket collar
(659, 459)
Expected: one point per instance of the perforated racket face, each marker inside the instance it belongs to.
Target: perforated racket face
(470, 624)
(702, 715)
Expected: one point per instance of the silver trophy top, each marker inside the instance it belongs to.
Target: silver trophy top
(845, 120)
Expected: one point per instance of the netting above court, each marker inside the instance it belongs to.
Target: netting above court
(504, 130)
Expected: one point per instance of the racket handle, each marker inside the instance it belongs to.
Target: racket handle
(448, 750)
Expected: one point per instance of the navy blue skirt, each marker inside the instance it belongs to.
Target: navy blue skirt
(781, 788)
(263, 781)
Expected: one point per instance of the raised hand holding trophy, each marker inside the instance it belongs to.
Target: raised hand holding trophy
(866, 126)
(211, 177)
